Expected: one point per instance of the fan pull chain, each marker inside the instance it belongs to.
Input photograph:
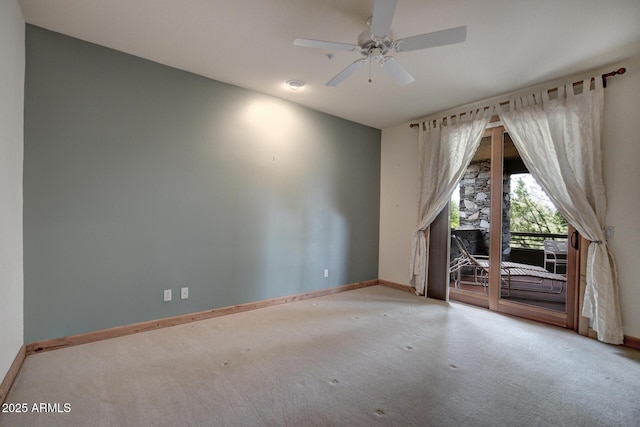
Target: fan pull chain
(370, 67)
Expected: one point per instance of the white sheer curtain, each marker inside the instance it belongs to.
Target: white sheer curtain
(559, 142)
(444, 152)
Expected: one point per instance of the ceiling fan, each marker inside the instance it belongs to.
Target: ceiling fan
(375, 43)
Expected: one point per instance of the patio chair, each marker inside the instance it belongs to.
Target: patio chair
(480, 266)
(555, 253)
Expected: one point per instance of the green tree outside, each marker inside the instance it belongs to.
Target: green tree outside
(455, 214)
(530, 214)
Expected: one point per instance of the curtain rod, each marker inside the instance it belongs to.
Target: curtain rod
(604, 84)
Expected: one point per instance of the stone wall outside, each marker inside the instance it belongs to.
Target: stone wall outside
(475, 204)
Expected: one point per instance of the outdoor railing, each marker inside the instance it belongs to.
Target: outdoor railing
(532, 240)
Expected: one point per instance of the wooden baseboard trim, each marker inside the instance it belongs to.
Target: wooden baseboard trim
(118, 331)
(629, 341)
(12, 374)
(395, 285)
(632, 342)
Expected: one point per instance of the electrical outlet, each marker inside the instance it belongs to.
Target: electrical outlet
(326, 272)
(167, 295)
(608, 232)
(184, 293)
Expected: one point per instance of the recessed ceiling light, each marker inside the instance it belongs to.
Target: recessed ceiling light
(295, 84)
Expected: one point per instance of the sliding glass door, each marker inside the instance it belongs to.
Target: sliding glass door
(509, 248)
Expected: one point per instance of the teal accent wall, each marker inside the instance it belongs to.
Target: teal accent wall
(139, 177)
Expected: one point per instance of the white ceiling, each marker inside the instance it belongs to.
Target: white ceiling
(510, 44)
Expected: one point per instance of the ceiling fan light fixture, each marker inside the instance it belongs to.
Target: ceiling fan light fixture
(295, 84)
(376, 41)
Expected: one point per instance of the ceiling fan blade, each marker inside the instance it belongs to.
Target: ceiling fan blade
(437, 38)
(396, 71)
(383, 11)
(355, 66)
(325, 45)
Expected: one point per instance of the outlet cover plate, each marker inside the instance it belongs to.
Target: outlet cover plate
(609, 232)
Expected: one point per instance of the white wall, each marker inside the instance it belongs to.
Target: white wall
(621, 145)
(621, 141)
(398, 201)
(12, 54)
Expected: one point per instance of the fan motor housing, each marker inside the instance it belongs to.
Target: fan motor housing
(368, 43)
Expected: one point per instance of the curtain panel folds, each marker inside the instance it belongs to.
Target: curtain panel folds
(559, 142)
(444, 152)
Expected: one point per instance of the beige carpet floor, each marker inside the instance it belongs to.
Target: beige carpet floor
(373, 356)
